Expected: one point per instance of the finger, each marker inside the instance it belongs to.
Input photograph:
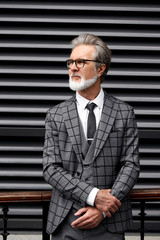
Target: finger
(79, 220)
(88, 224)
(80, 225)
(109, 190)
(80, 211)
(108, 214)
(113, 209)
(116, 201)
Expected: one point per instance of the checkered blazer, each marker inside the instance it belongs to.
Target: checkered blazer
(115, 161)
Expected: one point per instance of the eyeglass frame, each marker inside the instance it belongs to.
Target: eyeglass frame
(83, 61)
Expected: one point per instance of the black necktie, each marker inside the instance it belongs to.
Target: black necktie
(91, 123)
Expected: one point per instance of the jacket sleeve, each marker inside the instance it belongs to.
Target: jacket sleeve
(69, 186)
(129, 161)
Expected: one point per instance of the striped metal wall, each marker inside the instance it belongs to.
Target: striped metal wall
(34, 44)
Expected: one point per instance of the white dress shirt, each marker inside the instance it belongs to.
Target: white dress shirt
(83, 111)
(83, 115)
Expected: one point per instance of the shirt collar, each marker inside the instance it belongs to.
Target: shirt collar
(98, 100)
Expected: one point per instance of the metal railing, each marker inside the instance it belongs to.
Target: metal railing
(140, 195)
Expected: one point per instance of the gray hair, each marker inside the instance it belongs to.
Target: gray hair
(102, 54)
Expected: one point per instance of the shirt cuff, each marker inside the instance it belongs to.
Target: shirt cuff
(91, 197)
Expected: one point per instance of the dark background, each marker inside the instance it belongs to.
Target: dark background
(34, 44)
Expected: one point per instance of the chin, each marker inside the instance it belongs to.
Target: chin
(76, 80)
(81, 85)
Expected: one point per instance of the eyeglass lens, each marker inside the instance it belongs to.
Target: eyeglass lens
(78, 62)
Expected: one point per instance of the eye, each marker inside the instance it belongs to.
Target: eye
(80, 61)
(69, 62)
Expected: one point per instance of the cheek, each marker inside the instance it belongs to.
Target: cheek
(69, 72)
(90, 73)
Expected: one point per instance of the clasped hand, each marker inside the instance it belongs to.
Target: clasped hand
(106, 202)
(92, 216)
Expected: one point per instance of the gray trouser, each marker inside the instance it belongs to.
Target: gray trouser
(66, 232)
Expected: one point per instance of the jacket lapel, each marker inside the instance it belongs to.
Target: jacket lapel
(71, 120)
(107, 119)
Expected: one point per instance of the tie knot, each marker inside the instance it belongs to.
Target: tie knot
(91, 106)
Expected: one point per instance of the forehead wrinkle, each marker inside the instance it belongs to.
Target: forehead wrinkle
(83, 52)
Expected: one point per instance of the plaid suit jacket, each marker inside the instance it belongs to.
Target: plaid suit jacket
(115, 161)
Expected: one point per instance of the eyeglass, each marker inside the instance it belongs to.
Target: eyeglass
(79, 62)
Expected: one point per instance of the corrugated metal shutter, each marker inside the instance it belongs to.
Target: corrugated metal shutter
(34, 44)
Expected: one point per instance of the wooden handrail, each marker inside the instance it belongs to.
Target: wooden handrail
(25, 196)
(145, 194)
(40, 196)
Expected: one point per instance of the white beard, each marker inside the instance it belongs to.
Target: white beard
(83, 84)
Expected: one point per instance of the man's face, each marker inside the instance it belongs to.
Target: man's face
(88, 71)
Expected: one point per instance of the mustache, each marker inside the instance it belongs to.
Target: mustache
(75, 74)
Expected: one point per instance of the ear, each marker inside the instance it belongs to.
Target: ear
(101, 70)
